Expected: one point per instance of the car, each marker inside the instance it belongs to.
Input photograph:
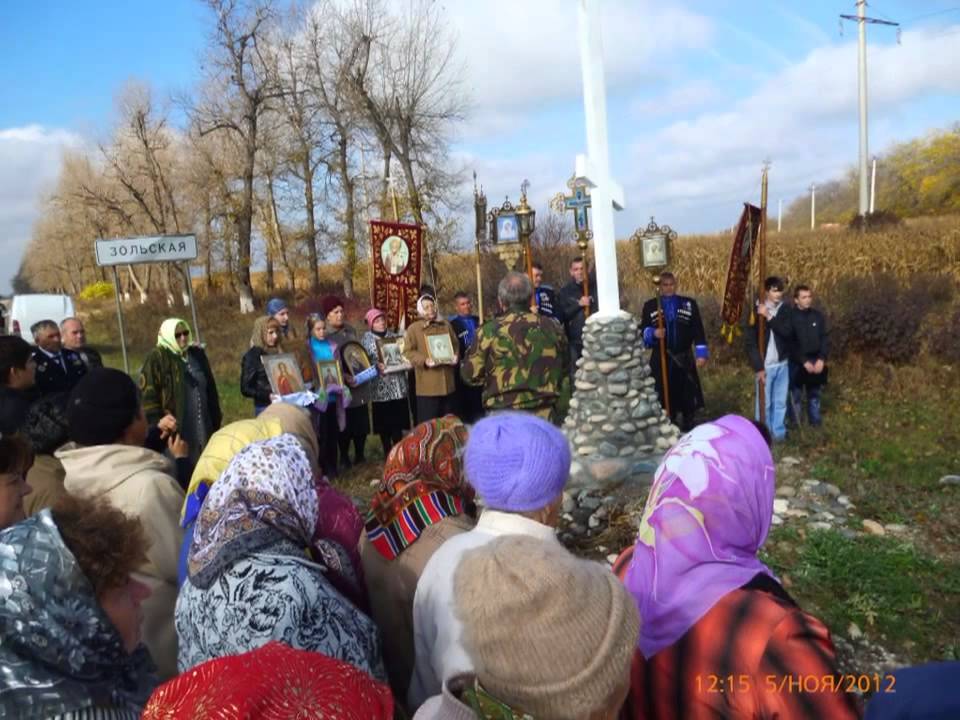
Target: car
(25, 310)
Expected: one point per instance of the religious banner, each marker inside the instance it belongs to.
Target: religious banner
(395, 254)
(738, 274)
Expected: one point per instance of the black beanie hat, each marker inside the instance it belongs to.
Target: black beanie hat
(102, 405)
(46, 424)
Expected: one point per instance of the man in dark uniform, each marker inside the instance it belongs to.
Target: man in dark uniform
(74, 337)
(58, 369)
(465, 326)
(544, 297)
(572, 302)
(809, 342)
(686, 349)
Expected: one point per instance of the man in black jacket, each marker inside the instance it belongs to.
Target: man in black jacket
(545, 297)
(465, 326)
(773, 368)
(809, 342)
(58, 369)
(686, 344)
(572, 302)
(74, 336)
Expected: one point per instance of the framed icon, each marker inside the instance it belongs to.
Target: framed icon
(283, 373)
(508, 230)
(328, 373)
(394, 254)
(390, 352)
(355, 358)
(655, 251)
(440, 348)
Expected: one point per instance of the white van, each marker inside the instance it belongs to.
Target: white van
(25, 310)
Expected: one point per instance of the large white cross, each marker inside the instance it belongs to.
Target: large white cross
(594, 167)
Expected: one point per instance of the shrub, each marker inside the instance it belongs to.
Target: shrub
(97, 291)
(875, 221)
(879, 317)
(945, 339)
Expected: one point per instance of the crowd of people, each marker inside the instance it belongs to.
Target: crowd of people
(156, 563)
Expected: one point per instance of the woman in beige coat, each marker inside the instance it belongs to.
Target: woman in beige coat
(106, 459)
(435, 378)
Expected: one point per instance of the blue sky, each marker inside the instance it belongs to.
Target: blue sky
(699, 94)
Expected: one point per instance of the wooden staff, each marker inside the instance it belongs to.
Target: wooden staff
(761, 275)
(664, 375)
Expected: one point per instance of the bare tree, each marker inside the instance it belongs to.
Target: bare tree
(237, 92)
(408, 84)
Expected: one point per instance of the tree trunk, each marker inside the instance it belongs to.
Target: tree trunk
(277, 232)
(350, 235)
(208, 255)
(416, 206)
(268, 246)
(311, 225)
(245, 216)
(136, 283)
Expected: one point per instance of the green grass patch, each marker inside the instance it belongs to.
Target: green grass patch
(892, 590)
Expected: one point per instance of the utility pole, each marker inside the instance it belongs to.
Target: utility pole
(862, 20)
(779, 214)
(813, 206)
(873, 184)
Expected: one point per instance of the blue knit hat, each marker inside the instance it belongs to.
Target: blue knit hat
(275, 305)
(516, 461)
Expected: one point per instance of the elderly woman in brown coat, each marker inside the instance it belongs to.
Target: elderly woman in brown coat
(435, 378)
(422, 501)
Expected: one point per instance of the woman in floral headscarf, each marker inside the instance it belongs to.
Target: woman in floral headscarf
(176, 380)
(258, 569)
(710, 610)
(422, 501)
(273, 681)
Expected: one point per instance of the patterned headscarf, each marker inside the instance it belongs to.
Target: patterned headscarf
(60, 652)
(266, 493)
(423, 482)
(167, 337)
(277, 419)
(273, 681)
(707, 516)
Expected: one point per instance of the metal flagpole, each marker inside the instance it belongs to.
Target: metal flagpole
(761, 274)
(123, 335)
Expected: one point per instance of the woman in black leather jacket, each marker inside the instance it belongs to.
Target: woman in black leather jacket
(253, 376)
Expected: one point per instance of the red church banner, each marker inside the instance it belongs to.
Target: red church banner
(738, 273)
(395, 254)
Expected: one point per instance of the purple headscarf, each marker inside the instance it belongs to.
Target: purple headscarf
(707, 515)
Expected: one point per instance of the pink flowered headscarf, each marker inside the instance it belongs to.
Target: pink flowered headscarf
(707, 516)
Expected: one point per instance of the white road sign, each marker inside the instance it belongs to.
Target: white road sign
(156, 249)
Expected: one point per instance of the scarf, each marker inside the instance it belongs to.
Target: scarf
(273, 681)
(60, 652)
(707, 515)
(423, 482)
(266, 493)
(276, 419)
(420, 310)
(167, 338)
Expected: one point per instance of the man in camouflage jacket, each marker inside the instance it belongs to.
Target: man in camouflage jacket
(520, 358)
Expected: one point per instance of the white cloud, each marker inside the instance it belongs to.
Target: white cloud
(804, 119)
(30, 159)
(694, 95)
(521, 56)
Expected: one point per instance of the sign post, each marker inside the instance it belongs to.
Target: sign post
(152, 249)
(123, 339)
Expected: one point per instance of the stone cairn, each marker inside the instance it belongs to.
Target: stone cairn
(617, 430)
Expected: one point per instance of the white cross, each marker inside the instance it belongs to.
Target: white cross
(594, 167)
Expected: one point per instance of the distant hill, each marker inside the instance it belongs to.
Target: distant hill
(919, 177)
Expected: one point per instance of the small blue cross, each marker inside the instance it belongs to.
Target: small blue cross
(579, 202)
